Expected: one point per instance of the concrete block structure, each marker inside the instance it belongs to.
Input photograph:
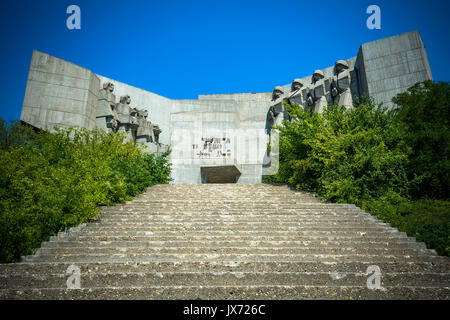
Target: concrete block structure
(389, 66)
(217, 137)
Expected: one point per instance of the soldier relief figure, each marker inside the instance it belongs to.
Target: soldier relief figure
(144, 131)
(106, 113)
(276, 105)
(112, 116)
(123, 110)
(319, 91)
(341, 92)
(296, 92)
(322, 91)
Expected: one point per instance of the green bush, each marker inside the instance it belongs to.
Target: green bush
(424, 111)
(426, 219)
(53, 181)
(385, 161)
(343, 155)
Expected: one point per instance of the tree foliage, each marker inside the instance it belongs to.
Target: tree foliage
(384, 160)
(53, 181)
(424, 110)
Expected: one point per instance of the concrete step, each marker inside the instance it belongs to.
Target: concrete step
(100, 229)
(271, 206)
(231, 250)
(247, 205)
(55, 267)
(220, 257)
(218, 194)
(238, 213)
(231, 221)
(236, 243)
(227, 223)
(235, 212)
(218, 278)
(249, 200)
(243, 196)
(355, 232)
(226, 215)
(291, 292)
(248, 219)
(224, 237)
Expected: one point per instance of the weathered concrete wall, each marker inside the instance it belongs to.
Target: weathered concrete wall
(239, 118)
(390, 66)
(59, 93)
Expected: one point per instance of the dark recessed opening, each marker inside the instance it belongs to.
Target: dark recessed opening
(220, 174)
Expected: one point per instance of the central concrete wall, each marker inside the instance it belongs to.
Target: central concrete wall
(241, 118)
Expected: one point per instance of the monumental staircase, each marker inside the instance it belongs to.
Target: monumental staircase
(230, 241)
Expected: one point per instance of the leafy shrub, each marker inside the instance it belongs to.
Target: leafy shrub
(424, 111)
(343, 155)
(53, 181)
(382, 160)
(426, 219)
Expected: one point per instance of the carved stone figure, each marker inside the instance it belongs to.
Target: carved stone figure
(144, 132)
(105, 111)
(271, 115)
(134, 117)
(317, 76)
(127, 117)
(277, 93)
(342, 81)
(296, 85)
(276, 106)
(340, 66)
(123, 109)
(296, 92)
(319, 91)
(310, 97)
(333, 89)
(156, 132)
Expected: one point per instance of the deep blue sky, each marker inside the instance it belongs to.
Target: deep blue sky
(180, 49)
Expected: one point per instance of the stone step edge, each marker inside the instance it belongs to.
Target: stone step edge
(231, 286)
(362, 273)
(228, 264)
(221, 244)
(230, 257)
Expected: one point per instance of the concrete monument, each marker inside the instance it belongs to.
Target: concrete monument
(217, 137)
